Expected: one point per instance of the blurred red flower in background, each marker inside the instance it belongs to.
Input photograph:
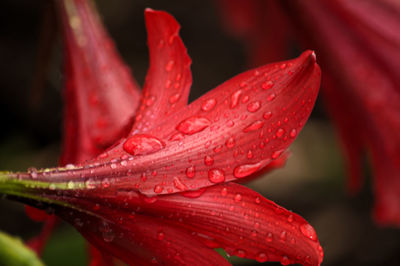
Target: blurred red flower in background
(359, 46)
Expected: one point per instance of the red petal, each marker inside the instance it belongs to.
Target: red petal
(169, 77)
(358, 43)
(140, 240)
(36, 214)
(101, 95)
(242, 222)
(256, 117)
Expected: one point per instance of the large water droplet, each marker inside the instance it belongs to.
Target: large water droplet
(254, 126)
(285, 260)
(208, 105)
(267, 85)
(193, 125)
(143, 144)
(246, 169)
(308, 231)
(216, 175)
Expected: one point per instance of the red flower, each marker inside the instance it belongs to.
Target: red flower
(359, 46)
(159, 195)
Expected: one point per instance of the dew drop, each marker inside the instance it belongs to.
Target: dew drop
(238, 197)
(160, 235)
(208, 160)
(216, 175)
(279, 133)
(308, 231)
(240, 253)
(193, 125)
(108, 235)
(293, 133)
(246, 169)
(71, 185)
(254, 106)
(267, 85)
(269, 237)
(90, 184)
(224, 191)
(169, 65)
(230, 143)
(141, 144)
(254, 126)
(178, 184)
(174, 98)
(258, 200)
(158, 189)
(283, 236)
(290, 218)
(235, 98)
(190, 171)
(208, 105)
(267, 115)
(230, 123)
(285, 260)
(271, 97)
(261, 257)
(276, 154)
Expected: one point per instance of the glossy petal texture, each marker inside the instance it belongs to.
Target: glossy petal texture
(101, 96)
(359, 43)
(251, 124)
(169, 78)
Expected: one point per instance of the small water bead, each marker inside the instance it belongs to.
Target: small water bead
(174, 98)
(279, 133)
(105, 183)
(168, 84)
(308, 231)
(276, 154)
(293, 133)
(235, 98)
(249, 154)
(208, 105)
(230, 143)
(158, 189)
(169, 65)
(178, 184)
(290, 218)
(245, 99)
(216, 175)
(238, 197)
(267, 85)
(285, 260)
(258, 200)
(224, 191)
(254, 106)
(230, 123)
(283, 66)
(208, 160)
(262, 257)
(217, 149)
(141, 144)
(267, 115)
(90, 184)
(254, 126)
(283, 236)
(240, 253)
(269, 238)
(160, 235)
(193, 125)
(271, 97)
(190, 172)
(70, 185)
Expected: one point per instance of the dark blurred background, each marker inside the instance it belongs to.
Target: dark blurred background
(312, 183)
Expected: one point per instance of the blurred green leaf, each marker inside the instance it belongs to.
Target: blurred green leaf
(13, 252)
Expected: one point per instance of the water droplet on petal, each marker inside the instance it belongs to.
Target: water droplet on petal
(261, 257)
(308, 231)
(169, 65)
(269, 237)
(293, 133)
(108, 235)
(276, 154)
(283, 236)
(160, 235)
(254, 106)
(174, 98)
(158, 189)
(178, 184)
(193, 125)
(267, 85)
(271, 97)
(254, 126)
(285, 260)
(230, 143)
(267, 115)
(190, 171)
(238, 197)
(240, 253)
(235, 98)
(208, 105)
(216, 176)
(141, 144)
(280, 132)
(246, 169)
(224, 191)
